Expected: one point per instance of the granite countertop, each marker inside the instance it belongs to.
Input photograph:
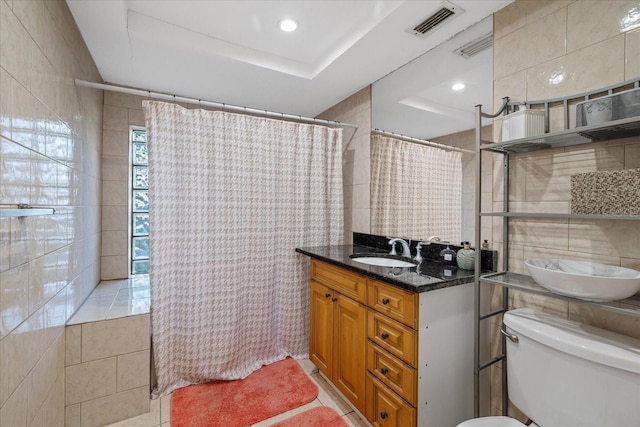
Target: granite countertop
(430, 275)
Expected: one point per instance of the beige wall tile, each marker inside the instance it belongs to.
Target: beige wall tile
(610, 238)
(133, 370)
(115, 118)
(509, 19)
(136, 117)
(114, 337)
(632, 156)
(553, 234)
(577, 72)
(14, 303)
(44, 377)
(90, 380)
(52, 410)
(517, 51)
(632, 54)
(126, 100)
(602, 18)
(115, 243)
(115, 143)
(114, 217)
(115, 168)
(116, 407)
(73, 346)
(115, 193)
(541, 8)
(72, 416)
(622, 324)
(361, 196)
(114, 267)
(14, 411)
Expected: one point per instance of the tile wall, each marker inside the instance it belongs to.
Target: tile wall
(50, 148)
(549, 49)
(120, 111)
(356, 161)
(107, 371)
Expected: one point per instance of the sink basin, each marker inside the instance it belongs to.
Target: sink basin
(383, 260)
(585, 280)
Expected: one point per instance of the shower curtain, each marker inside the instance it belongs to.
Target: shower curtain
(416, 190)
(231, 196)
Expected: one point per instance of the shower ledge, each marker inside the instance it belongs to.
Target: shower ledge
(114, 299)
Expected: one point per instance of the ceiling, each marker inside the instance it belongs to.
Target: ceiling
(234, 52)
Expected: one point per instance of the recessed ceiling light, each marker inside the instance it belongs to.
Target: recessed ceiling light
(457, 86)
(288, 25)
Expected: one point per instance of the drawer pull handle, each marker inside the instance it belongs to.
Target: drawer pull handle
(334, 299)
(385, 301)
(383, 414)
(384, 371)
(384, 335)
(327, 295)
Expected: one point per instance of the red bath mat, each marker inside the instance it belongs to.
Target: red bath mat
(316, 417)
(269, 391)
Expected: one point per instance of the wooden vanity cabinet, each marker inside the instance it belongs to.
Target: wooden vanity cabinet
(403, 359)
(337, 331)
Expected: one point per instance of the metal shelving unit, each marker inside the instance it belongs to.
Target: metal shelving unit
(509, 280)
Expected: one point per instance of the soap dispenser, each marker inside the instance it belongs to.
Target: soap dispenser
(466, 257)
(448, 256)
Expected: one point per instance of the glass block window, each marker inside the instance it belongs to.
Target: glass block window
(139, 202)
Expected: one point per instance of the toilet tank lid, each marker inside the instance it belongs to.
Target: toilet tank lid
(580, 340)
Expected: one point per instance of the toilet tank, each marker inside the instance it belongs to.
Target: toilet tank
(566, 374)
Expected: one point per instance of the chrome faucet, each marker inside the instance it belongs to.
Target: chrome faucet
(406, 251)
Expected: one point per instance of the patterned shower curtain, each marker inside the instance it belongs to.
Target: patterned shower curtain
(231, 196)
(416, 190)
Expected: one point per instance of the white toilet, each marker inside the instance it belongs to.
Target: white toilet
(567, 374)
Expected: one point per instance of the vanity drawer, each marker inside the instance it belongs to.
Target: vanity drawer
(394, 302)
(347, 283)
(392, 336)
(386, 409)
(398, 376)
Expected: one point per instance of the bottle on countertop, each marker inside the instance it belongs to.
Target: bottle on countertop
(466, 257)
(448, 256)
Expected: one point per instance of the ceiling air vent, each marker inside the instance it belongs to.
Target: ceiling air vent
(475, 46)
(446, 12)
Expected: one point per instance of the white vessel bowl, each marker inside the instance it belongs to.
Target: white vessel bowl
(584, 280)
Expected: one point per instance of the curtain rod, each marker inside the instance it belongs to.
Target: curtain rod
(422, 142)
(226, 107)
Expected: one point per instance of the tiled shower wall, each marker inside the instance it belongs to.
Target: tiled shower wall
(120, 111)
(546, 49)
(50, 147)
(356, 163)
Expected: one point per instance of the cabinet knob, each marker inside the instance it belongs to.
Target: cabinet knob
(385, 301)
(384, 371)
(334, 299)
(384, 335)
(327, 295)
(383, 414)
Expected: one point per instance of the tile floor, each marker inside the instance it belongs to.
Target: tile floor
(159, 414)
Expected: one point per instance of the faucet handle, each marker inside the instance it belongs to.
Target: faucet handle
(418, 257)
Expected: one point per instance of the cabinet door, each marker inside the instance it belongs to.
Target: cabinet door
(385, 408)
(321, 328)
(349, 349)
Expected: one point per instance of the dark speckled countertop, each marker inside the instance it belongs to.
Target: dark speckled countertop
(428, 276)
